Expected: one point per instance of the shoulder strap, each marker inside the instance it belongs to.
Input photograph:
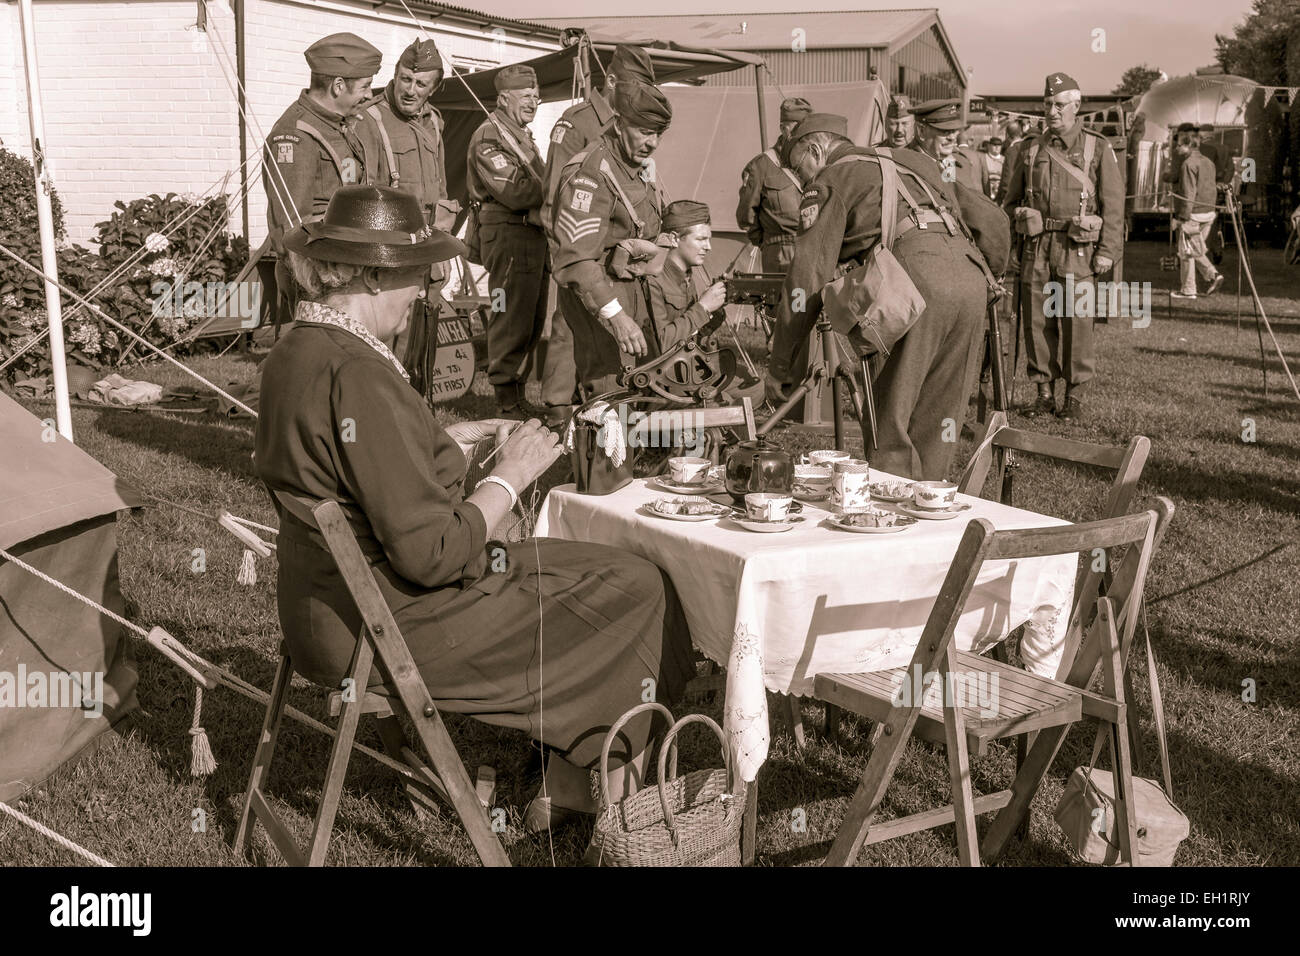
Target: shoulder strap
(1063, 161)
(789, 173)
(1031, 156)
(514, 147)
(608, 173)
(317, 135)
(393, 176)
(889, 189)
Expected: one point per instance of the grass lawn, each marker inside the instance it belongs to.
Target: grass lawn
(1223, 597)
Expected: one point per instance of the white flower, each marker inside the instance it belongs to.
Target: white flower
(35, 319)
(86, 334)
(163, 267)
(156, 242)
(110, 339)
(194, 199)
(9, 300)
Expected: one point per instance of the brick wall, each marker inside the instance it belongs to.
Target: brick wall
(136, 101)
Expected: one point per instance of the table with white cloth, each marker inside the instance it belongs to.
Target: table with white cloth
(778, 609)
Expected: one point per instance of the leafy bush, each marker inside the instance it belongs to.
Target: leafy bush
(198, 247)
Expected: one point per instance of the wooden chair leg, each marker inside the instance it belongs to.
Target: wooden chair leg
(749, 831)
(265, 747)
(871, 790)
(340, 755)
(1028, 779)
(831, 728)
(397, 747)
(795, 710)
(963, 801)
(1121, 759)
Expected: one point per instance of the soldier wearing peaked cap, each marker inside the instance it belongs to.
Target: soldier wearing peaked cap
(900, 124)
(1066, 196)
(927, 375)
(605, 220)
(768, 209)
(939, 123)
(577, 129)
(321, 142)
(505, 175)
(410, 132)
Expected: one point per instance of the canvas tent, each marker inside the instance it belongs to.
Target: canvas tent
(58, 513)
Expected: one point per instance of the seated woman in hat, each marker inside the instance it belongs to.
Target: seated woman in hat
(676, 309)
(340, 421)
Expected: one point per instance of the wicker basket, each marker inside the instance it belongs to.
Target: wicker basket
(693, 820)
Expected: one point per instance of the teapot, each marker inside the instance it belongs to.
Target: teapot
(758, 465)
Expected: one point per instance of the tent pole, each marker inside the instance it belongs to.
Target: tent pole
(762, 112)
(241, 84)
(45, 216)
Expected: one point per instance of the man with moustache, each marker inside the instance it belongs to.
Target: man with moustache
(900, 124)
(1066, 197)
(580, 126)
(505, 176)
(605, 218)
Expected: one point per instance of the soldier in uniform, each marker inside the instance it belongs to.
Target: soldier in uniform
(927, 376)
(938, 125)
(410, 132)
(768, 210)
(576, 130)
(900, 124)
(321, 142)
(505, 174)
(604, 198)
(1066, 196)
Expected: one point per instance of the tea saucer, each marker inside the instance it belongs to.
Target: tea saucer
(717, 511)
(891, 499)
(766, 527)
(709, 487)
(935, 514)
(903, 522)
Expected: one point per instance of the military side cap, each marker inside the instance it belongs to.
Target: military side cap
(421, 57)
(820, 123)
(632, 63)
(643, 105)
(1059, 83)
(516, 76)
(794, 108)
(343, 54)
(1186, 128)
(683, 214)
(941, 114)
(899, 106)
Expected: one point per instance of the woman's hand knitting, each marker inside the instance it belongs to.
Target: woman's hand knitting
(527, 453)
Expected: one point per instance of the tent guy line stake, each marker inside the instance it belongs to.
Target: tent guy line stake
(96, 310)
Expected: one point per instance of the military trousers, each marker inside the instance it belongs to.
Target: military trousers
(777, 256)
(1058, 343)
(921, 392)
(560, 376)
(596, 354)
(516, 258)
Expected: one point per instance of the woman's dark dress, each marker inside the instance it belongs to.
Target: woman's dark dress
(338, 422)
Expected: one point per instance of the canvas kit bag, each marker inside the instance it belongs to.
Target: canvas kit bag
(691, 820)
(878, 299)
(1087, 811)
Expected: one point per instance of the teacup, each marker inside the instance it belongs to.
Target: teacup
(826, 456)
(766, 506)
(934, 495)
(815, 478)
(689, 471)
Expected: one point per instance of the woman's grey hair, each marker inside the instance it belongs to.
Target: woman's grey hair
(317, 279)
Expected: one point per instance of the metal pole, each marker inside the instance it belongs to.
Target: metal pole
(45, 217)
(762, 112)
(241, 54)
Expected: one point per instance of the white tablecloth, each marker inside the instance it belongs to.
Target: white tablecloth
(778, 609)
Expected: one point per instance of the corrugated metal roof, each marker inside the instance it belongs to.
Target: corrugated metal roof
(478, 18)
(762, 31)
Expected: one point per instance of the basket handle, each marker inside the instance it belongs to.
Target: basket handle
(609, 742)
(668, 744)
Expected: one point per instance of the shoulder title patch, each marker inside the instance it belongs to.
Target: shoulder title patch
(810, 204)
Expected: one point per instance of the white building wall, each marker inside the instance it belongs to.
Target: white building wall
(136, 100)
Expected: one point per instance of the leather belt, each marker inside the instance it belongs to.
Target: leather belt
(1055, 225)
(926, 218)
(784, 239)
(497, 214)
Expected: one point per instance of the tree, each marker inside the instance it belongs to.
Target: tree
(1136, 80)
(1257, 48)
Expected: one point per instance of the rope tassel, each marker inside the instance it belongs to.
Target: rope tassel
(247, 569)
(202, 763)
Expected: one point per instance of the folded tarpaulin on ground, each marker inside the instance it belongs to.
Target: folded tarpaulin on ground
(116, 390)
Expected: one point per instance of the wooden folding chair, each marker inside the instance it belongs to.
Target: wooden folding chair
(1024, 702)
(994, 453)
(405, 693)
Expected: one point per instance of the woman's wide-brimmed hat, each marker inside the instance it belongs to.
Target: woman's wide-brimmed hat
(374, 226)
